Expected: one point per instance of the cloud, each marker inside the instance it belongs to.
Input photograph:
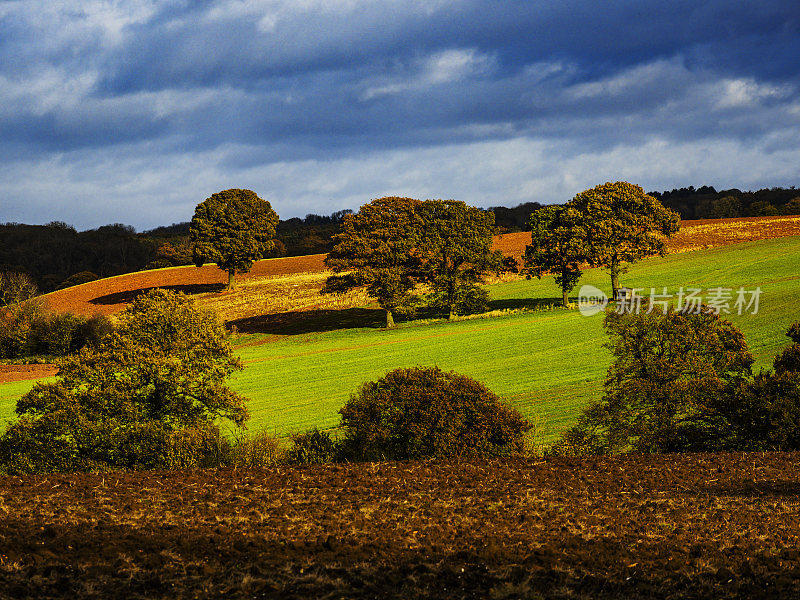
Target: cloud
(108, 186)
(327, 103)
(438, 69)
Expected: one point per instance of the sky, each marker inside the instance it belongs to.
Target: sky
(135, 111)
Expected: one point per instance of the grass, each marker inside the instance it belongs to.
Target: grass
(299, 382)
(547, 363)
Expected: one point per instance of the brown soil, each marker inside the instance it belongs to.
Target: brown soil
(9, 373)
(693, 235)
(111, 295)
(680, 526)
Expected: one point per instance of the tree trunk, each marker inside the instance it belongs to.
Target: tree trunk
(451, 299)
(565, 297)
(231, 276)
(389, 319)
(614, 277)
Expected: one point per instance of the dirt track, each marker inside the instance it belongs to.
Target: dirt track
(679, 526)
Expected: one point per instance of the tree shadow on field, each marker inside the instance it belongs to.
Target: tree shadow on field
(131, 295)
(310, 321)
(525, 304)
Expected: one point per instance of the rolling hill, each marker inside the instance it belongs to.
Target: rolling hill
(301, 366)
(110, 295)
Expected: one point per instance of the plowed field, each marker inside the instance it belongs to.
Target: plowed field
(111, 295)
(681, 526)
(694, 235)
(10, 373)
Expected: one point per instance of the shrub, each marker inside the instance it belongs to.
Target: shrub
(16, 325)
(193, 448)
(667, 390)
(27, 329)
(252, 451)
(312, 447)
(425, 412)
(55, 334)
(77, 279)
(16, 288)
(788, 361)
(146, 397)
(159, 263)
(765, 412)
(92, 331)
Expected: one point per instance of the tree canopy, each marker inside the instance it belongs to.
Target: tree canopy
(376, 249)
(623, 225)
(669, 385)
(393, 244)
(232, 228)
(121, 404)
(558, 246)
(456, 250)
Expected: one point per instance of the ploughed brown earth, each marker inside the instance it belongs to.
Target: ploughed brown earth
(9, 373)
(111, 295)
(681, 526)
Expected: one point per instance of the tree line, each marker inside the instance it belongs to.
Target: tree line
(56, 255)
(706, 202)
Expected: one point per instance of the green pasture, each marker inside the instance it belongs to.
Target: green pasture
(549, 363)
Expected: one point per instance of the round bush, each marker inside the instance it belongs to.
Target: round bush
(425, 412)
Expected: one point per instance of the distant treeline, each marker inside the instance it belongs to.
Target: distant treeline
(56, 255)
(707, 203)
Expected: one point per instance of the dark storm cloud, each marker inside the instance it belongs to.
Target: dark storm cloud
(252, 84)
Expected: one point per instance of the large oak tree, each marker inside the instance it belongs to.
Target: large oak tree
(456, 248)
(623, 225)
(558, 246)
(376, 248)
(232, 228)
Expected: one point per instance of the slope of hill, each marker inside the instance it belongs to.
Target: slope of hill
(108, 296)
(549, 363)
(111, 295)
(674, 526)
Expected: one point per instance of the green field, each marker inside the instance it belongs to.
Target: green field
(547, 363)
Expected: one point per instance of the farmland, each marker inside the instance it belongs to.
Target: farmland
(110, 295)
(674, 526)
(549, 363)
